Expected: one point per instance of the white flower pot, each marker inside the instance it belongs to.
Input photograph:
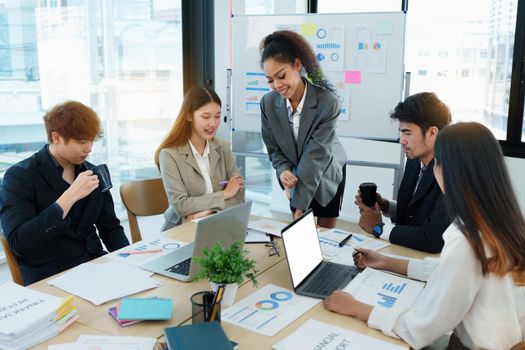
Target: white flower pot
(230, 291)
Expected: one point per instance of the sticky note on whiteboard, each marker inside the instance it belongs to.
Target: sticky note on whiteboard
(384, 28)
(308, 29)
(353, 77)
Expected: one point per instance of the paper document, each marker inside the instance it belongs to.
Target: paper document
(166, 244)
(99, 342)
(385, 290)
(256, 236)
(268, 310)
(315, 335)
(103, 282)
(267, 225)
(330, 239)
(29, 317)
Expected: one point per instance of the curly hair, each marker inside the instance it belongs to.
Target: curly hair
(286, 46)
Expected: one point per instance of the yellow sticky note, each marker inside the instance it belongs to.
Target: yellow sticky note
(308, 29)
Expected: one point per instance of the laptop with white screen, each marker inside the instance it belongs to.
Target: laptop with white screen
(226, 226)
(311, 276)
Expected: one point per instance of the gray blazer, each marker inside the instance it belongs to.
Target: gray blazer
(184, 183)
(318, 158)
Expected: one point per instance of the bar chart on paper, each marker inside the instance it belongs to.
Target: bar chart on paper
(382, 289)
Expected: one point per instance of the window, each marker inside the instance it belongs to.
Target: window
(338, 6)
(478, 36)
(125, 61)
(474, 32)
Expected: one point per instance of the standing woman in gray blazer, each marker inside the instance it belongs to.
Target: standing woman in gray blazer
(198, 169)
(298, 120)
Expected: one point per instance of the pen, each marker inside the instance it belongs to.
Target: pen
(223, 183)
(216, 301)
(146, 251)
(343, 242)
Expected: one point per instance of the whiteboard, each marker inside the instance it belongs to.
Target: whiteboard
(360, 53)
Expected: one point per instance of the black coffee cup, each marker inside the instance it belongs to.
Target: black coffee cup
(104, 180)
(368, 193)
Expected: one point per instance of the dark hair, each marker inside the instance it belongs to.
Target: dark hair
(72, 120)
(180, 132)
(424, 109)
(478, 192)
(285, 46)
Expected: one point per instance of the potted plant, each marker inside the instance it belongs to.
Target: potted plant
(226, 266)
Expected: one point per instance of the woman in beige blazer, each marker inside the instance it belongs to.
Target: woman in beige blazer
(197, 168)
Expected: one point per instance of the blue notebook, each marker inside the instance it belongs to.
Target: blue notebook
(145, 309)
(201, 336)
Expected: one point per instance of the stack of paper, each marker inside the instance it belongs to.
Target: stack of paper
(103, 282)
(102, 342)
(28, 317)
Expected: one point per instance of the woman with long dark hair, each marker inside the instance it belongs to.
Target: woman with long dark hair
(477, 286)
(298, 121)
(198, 169)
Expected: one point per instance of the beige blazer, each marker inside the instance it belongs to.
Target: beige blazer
(184, 183)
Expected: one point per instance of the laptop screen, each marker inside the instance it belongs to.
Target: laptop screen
(302, 247)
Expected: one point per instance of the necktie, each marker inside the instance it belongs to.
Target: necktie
(421, 172)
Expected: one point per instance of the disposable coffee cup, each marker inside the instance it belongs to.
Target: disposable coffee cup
(368, 193)
(104, 180)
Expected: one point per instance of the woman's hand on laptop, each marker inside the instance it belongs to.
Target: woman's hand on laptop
(199, 214)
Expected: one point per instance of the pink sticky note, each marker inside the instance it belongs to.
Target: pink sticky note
(353, 77)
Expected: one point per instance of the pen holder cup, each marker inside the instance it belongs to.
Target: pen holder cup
(203, 308)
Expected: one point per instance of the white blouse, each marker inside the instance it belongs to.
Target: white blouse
(204, 164)
(484, 312)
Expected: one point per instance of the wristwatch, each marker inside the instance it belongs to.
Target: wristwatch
(378, 230)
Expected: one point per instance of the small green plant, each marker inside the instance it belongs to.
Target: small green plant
(226, 265)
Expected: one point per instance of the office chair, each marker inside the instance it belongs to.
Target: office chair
(519, 346)
(143, 198)
(12, 262)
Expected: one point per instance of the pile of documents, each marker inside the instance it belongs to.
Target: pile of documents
(28, 317)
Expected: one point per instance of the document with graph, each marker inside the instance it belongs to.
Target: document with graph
(385, 290)
(268, 310)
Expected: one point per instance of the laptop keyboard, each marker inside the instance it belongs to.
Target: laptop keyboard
(327, 280)
(182, 268)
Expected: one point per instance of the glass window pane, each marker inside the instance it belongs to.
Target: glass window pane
(338, 6)
(122, 58)
(462, 50)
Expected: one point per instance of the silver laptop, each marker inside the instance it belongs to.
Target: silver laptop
(311, 276)
(226, 226)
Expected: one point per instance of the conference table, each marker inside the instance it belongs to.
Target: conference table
(95, 320)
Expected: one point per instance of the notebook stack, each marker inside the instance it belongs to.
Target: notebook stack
(28, 317)
(133, 310)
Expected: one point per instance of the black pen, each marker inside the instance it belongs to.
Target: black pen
(343, 242)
